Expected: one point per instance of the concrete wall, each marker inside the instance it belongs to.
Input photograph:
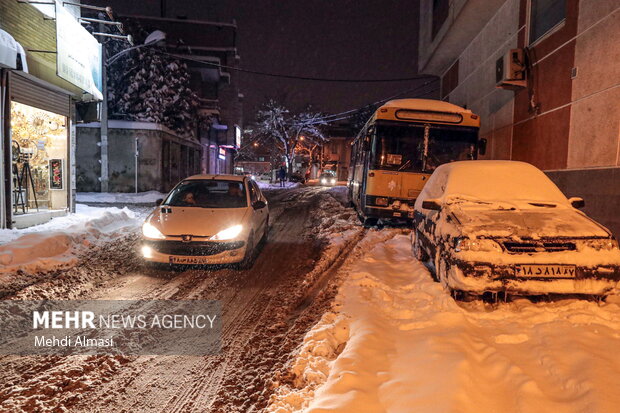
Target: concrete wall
(599, 187)
(476, 80)
(122, 159)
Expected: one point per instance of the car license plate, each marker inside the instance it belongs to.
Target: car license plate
(545, 271)
(189, 260)
(397, 214)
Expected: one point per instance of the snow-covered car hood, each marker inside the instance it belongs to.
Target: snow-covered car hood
(196, 221)
(560, 222)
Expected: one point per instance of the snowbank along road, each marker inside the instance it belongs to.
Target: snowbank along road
(266, 312)
(331, 317)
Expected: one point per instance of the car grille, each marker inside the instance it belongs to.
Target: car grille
(196, 248)
(534, 246)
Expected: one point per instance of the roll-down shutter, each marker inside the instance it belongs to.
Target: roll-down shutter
(29, 92)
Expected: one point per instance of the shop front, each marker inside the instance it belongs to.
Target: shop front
(37, 151)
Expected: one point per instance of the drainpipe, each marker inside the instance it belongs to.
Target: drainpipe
(104, 124)
(136, 166)
(4, 183)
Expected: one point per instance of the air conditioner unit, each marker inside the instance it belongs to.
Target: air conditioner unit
(510, 70)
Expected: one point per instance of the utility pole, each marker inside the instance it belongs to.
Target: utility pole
(103, 144)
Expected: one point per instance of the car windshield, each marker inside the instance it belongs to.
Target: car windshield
(401, 147)
(208, 193)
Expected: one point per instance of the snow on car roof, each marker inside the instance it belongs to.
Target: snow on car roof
(218, 177)
(499, 180)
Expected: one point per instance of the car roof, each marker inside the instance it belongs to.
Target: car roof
(239, 178)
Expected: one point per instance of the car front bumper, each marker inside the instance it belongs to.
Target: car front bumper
(480, 277)
(179, 252)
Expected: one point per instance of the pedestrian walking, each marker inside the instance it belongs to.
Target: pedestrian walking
(282, 175)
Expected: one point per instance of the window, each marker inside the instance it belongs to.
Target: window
(208, 194)
(544, 16)
(441, 9)
(261, 159)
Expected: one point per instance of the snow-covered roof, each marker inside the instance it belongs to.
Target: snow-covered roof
(425, 104)
(496, 181)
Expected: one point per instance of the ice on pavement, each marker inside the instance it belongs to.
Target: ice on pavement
(57, 242)
(395, 341)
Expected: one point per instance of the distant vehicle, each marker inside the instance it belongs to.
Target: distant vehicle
(399, 147)
(297, 177)
(207, 219)
(327, 179)
(503, 226)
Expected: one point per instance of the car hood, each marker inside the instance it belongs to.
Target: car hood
(560, 222)
(196, 221)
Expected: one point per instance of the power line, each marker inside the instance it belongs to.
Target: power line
(284, 76)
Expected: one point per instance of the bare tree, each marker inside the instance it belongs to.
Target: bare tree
(290, 133)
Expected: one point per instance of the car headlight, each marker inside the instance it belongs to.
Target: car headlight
(149, 231)
(601, 244)
(228, 233)
(478, 244)
(333, 181)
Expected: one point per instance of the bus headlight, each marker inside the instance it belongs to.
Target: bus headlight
(381, 201)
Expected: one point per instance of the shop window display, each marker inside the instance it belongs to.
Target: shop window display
(39, 153)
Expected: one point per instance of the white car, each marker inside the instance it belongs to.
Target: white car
(503, 226)
(207, 219)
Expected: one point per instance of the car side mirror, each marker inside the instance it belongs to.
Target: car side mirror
(432, 204)
(259, 205)
(482, 146)
(577, 202)
(158, 202)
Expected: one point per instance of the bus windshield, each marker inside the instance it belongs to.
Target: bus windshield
(402, 147)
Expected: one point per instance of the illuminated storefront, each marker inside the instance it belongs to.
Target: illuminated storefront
(39, 154)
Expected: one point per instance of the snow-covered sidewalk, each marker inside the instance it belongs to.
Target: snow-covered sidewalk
(57, 242)
(396, 342)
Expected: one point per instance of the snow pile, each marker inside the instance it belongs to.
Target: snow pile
(56, 243)
(397, 342)
(276, 185)
(119, 197)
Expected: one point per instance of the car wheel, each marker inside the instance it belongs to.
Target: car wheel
(248, 258)
(439, 274)
(418, 252)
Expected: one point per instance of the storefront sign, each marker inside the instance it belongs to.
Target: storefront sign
(222, 154)
(56, 174)
(78, 58)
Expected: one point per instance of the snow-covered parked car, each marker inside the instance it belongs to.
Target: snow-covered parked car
(504, 226)
(207, 219)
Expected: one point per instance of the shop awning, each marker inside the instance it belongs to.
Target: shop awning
(10, 52)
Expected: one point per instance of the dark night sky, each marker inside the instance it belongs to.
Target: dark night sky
(339, 38)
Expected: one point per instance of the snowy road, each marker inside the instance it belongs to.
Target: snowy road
(331, 317)
(266, 312)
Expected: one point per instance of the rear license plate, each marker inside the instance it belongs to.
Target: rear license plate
(397, 214)
(545, 271)
(189, 260)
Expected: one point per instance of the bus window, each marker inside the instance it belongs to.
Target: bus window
(398, 148)
(449, 145)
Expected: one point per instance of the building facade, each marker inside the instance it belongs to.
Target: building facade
(544, 77)
(37, 111)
